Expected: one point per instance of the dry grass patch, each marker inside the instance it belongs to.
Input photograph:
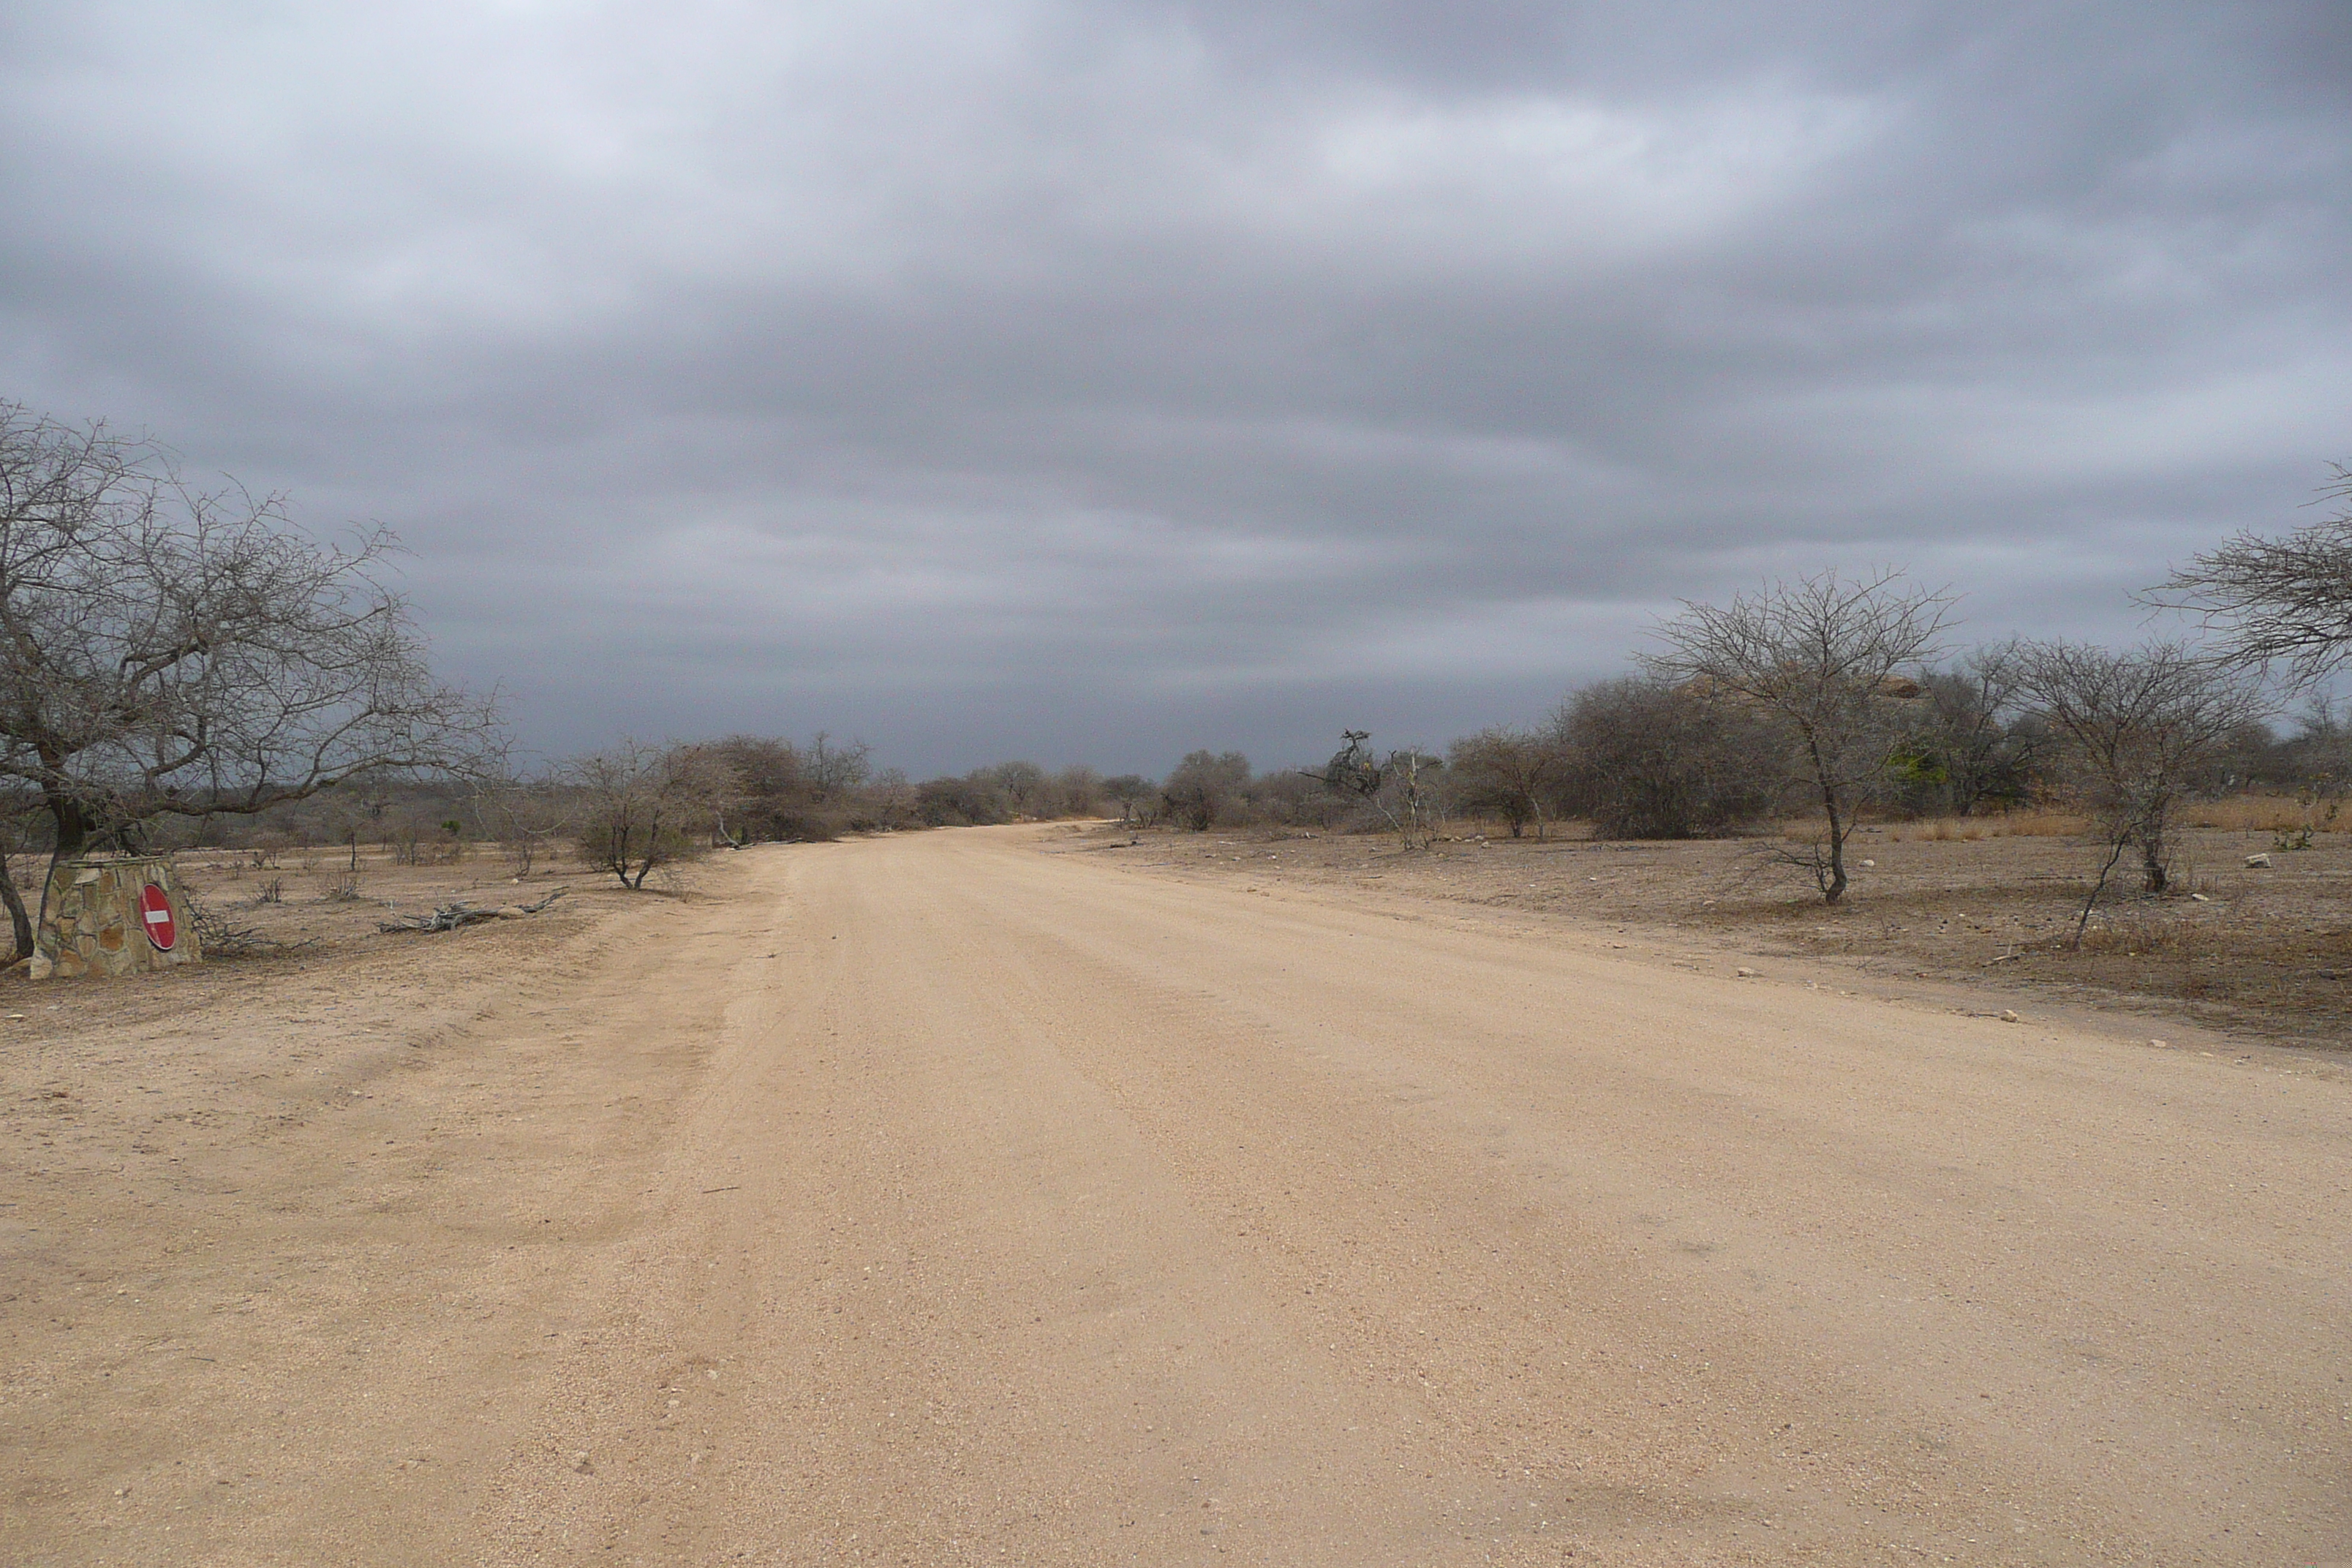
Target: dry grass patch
(2265, 813)
(2277, 967)
(2000, 824)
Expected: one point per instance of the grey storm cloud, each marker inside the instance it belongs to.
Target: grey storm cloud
(1095, 382)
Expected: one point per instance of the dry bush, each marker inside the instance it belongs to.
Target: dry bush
(1206, 788)
(1648, 760)
(1511, 774)
(220, 937)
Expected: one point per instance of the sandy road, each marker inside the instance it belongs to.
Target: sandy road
(948, 1200)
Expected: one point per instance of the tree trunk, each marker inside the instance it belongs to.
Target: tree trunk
(73, 826)
(2083, 923)
(2152, 868)
(1836, 889)
(73, 837)
(19, 922)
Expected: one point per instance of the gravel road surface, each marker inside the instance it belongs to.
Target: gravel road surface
(968, 1197)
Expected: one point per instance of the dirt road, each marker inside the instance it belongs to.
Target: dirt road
(945, 1199)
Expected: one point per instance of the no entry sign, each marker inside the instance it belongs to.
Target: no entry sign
(155, 914)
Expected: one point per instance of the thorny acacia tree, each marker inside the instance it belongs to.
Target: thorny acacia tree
(2137, 727)
(2281, 601)
(1821, 658)
(166, 652)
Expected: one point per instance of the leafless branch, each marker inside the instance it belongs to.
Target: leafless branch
(2280, 602)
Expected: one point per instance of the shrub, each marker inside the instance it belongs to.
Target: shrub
(1647, 760)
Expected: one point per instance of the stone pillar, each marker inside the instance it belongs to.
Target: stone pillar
(96, 920)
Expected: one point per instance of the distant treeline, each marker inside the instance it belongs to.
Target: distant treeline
(2124, 737)
(1642, 758)
(630, 809)
(1636, 757)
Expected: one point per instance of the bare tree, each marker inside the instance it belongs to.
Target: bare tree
(1512, 772)
(643, 807)
(523, 812)
(524, 815)
(1824, 657)
(2137, 727)
(1412, 800)
(164, 651)
(836, 770)
(1970, 740)
(2279, 601)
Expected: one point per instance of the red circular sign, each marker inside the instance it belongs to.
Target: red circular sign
(155, 915)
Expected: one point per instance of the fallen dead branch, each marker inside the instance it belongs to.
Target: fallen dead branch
(219, 937)
(449, 917)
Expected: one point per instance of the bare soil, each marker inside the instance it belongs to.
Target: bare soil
(2266, 952)
(1002, 1196)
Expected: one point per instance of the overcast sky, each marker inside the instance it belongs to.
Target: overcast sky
(1097, 381)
